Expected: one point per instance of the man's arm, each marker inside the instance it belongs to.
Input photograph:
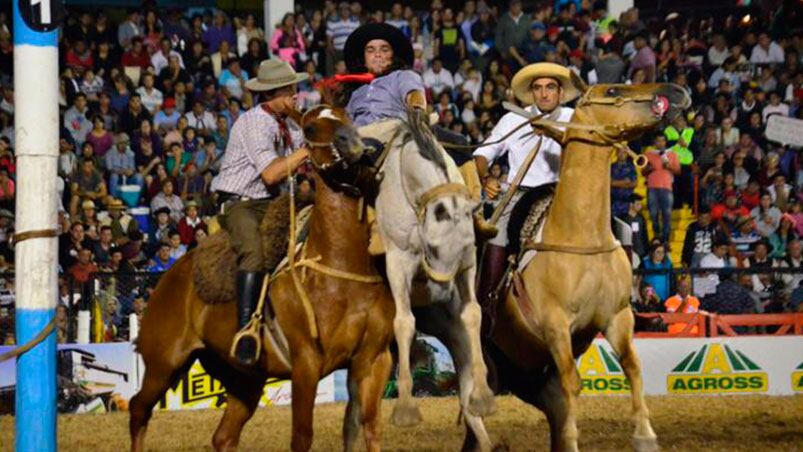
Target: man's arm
(278, 170)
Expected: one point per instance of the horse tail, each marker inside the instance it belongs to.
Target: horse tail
(419, 131)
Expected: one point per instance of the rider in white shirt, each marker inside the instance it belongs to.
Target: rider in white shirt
(543, 87)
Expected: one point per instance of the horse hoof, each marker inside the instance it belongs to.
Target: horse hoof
(482, 403)
(645, 444)
(406, 414)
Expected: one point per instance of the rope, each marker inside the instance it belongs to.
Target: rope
(35, 234)
(313, 264)
(51, 326)
(491, 143)
(24, 348)
(291, 256)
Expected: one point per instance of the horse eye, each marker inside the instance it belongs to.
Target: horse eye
(611, 92)
(309, 130)
(441, 214)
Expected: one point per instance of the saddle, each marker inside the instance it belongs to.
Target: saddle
(215, 263)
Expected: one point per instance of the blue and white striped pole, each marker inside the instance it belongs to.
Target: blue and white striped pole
(36, 128)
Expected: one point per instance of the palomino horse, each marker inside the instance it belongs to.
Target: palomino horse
(351, 304)
(578, 284)
(425, 220)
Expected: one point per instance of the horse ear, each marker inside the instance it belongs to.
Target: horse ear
(578, 82)
(295, 115)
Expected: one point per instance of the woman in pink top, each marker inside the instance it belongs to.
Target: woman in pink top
(100, 138)
(288, 42)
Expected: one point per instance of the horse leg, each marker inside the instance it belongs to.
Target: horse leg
(351, 422)
(242, 399)
(159, 377)
(400, 269)
(619, 334)
(305, 377)
(550, 399)
(477, 438)
(564, 418)
(161, 373)
(370, 390)
(481, 400)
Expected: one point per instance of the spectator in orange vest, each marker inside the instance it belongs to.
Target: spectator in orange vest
(682, 302)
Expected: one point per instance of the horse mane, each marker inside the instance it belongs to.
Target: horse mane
(418, 130)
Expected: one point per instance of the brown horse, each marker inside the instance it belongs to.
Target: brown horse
(578, 284)
(354, 319)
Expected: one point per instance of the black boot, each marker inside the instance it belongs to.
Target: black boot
(249, 285)
(492, 270)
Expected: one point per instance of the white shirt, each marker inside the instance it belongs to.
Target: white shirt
(204, 122)
(772, 55)
(545, 168)
(152, 101)
(705, 285)
(159, 61)
(781, 109)
(439, 82)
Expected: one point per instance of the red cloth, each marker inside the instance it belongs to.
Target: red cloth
(186, 232)
(332, 82)
(719, 210)
(74, 60)
(750, 201)
(131, 59)
(81, 272)
(284, 131)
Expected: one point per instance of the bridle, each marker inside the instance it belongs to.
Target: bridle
(338, 157)
(339, 162)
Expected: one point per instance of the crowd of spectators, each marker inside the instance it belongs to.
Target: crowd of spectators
(148, 97)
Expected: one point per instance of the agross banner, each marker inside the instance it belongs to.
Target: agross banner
(736, 365)
(104, 377)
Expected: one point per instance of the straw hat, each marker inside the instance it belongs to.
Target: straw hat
(274, 74)
(116, 204)
(121, 138)
(190, 203)
(87, 204)
(523, 80)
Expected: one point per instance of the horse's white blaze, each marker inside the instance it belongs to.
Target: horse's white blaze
(328, 113)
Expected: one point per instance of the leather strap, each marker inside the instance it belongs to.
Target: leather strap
(35, 234)
(439, 191)
(523, 301)
(540, 246)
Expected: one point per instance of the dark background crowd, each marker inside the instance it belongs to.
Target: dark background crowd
(148, 96)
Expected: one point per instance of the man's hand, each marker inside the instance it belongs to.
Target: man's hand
(492, 188)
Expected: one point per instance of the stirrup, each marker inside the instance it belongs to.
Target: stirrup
(251, 330)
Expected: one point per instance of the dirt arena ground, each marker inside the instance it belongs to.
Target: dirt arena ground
(682, 423)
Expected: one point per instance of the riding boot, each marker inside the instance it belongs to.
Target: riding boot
(491, 273)
(249, 285)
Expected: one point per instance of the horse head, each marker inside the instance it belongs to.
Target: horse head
(335, 147)
(623, 112)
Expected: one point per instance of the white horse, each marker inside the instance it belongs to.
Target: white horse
(424, 214)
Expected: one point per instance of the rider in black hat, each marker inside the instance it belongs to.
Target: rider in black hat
(389, 88)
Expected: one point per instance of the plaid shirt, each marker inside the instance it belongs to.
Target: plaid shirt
(254, 142)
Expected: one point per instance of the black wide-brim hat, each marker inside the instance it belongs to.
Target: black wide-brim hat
(354, 51)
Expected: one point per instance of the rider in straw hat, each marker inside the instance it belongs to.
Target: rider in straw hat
(542, 88)
(264, 145)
